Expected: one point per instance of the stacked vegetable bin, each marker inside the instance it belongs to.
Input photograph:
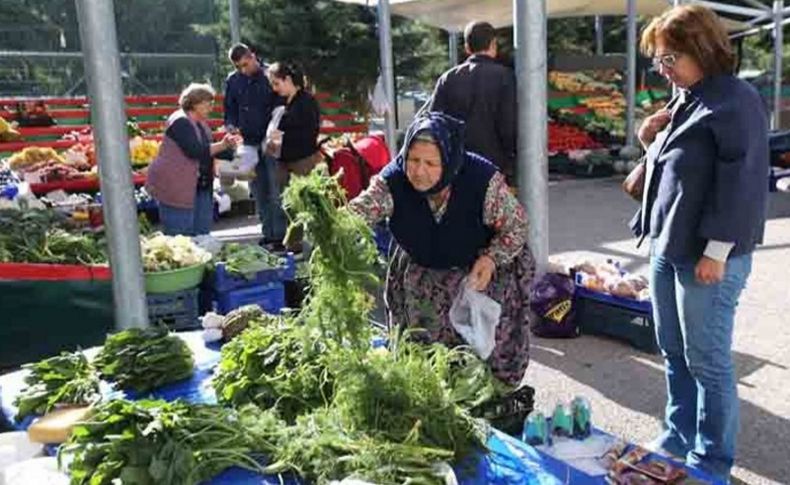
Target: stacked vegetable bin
(264, 288)
(177, 298)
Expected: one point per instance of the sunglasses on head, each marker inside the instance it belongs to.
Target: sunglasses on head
(666, 60)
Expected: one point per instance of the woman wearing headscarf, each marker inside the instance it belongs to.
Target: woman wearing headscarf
(454, 220)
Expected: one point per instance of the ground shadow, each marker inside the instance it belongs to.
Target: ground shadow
(639, 385)
(588, 215)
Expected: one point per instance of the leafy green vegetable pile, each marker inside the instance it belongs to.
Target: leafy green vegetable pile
(334, 407)
(65, 379)
(154, 442)
(386, 416)
(247, 259)
(41, 236)
(272, 363)
(144, 359)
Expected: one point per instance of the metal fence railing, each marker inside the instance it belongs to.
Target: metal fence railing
(40, 73)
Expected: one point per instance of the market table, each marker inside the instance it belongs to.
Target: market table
(508, 461)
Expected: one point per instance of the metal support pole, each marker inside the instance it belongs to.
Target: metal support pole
(599, 35)
(388, 73)
(630, 85)
(452, 44)
(103, 74)
(778, 43)
(235, 21)
(532, 168)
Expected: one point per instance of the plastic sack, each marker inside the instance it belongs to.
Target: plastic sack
(378, 98)
(247, 156)
(245, 159)
(475, 317)
(552, 300)
(273, 143)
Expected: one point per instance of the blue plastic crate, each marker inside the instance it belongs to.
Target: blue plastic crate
(635, 305)
(225, 281)
(270, 297)
(619, 318)
(178, 310)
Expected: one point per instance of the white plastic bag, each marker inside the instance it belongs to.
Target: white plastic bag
(475, 317)
(245, 159)
(273, 143)
(211, 320)
(378, 98)
(247, 156)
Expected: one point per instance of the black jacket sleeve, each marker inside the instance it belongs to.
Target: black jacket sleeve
(183, 133)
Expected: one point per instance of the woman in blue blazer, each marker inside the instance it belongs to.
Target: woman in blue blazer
(703, 213)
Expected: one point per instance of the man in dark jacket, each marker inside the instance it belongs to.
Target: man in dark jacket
(482, 93)
(249, 101)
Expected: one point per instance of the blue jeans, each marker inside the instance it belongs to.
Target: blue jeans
(189, 222)
(267, 192)
(694, 325)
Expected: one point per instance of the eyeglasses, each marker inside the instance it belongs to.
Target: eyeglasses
(666, 60)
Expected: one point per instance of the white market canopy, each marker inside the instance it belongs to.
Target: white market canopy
(453, 15)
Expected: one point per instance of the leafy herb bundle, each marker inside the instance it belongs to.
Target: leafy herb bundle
(391, 420)
(144, 359)
(342, 261)
(384, 416)
(65, 379)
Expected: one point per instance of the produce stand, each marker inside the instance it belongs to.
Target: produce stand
(507, 461)
(88, 184)
(586, 129)
(50, 308)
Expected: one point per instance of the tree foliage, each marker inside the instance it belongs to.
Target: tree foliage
(335, 43)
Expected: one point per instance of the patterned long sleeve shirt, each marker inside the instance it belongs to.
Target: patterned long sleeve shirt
(501, 212)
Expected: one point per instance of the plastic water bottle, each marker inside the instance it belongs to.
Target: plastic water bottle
(582, 417)
(536, 429)
(562, 421)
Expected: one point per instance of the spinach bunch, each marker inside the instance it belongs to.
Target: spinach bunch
(155, 442)
(144, 359)
(65, 379)
(274, 363)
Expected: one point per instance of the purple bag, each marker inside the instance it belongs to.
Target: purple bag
(552, 301)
